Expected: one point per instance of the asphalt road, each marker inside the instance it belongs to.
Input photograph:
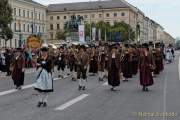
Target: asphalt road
(97, 102)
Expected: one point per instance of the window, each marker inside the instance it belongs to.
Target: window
(42, 16)
(28, 28)
(58, 17)
(32, 15)
(15, 11)
(43, 29)
(108, 23)
(122, 14)
(28, 14)
(35, 15)
(93, 15)
(85, 16)
(19, 26)
(51, 26)
(115, 14)
(107, 15)
(24, 27)
(51, 35)
(51, 17)
(58, 27)
(14, 26)
(24, 13)
(19, 12)
(36, 29)
(39, 16)
(64, 17)
(100, 15)
(39, 29)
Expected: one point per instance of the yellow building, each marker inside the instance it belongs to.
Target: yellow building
(168, 39)
(29, 17)
(107, 11)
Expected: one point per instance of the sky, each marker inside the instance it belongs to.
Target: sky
(164, 12)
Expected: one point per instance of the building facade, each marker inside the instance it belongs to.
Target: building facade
(168, 39)
(29, 18)
(92, 12)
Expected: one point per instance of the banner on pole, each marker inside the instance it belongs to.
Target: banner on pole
(93, 34)
(81, 34)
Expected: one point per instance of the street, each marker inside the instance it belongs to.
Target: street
(97, 102)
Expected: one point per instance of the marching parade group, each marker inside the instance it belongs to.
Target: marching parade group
(115, 63)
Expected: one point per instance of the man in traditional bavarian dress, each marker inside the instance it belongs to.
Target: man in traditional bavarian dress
(71, 61)
(101, 63)
(113, 68)
(82, 61)
(93, 68)
(146, 67)
(44, 80)
(18, 69)
(126, 63)
(61, 62)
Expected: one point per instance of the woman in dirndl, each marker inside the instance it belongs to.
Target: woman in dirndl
(44, 80)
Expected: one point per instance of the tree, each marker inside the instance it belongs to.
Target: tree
(104, 27)
(5, 19)
(61, 35)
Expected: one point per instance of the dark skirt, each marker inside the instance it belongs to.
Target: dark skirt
(127, 69)
(18, 77)
(146, 78)
(61, 65)
(134, 67)
(93, 66)
(113, 75)
(158, 67)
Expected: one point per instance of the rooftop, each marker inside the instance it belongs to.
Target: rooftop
(94, 5)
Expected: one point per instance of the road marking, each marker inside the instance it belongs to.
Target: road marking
(71, 102)
(164, 96)
(23, 88)
(179, 67)
(105, 84)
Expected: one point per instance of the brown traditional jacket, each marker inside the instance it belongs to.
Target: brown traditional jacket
(117, 60)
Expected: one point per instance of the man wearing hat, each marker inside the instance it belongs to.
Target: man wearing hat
(61, 62)
(146, 67)
(18, 69)
(82, 61)
(126, 63)
(158, 59)
(113, 68)
(44, 80)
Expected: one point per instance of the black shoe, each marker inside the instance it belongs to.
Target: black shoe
(73, 79)
(39, 104)
(44, 104)
(83, 88)
(126, 80)
(19, 88)
(80, 87)
(100, 79)
(112, 89)
(144, 89)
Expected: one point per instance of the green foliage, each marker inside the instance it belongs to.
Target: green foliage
(8, 34)
(61, 35)
(5, 19)
(124, 29)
